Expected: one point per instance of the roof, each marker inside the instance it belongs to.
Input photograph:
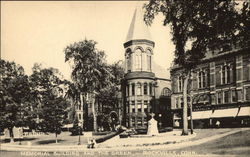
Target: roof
(138, 29)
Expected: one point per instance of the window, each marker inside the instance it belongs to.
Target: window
(212, 98)
(239, 95)
(139, 121)
(166, 92)
(133, 103)
(150, 88)
(133, 110)
(226, 96)
(129, 63)
(234, 97)
(180, 81)
(177, 102)
(79, 107)
(138, 60)
(79, 116)
(139, 109)
(145, 89)
(219, 97)
(203, 80)
(247, 93)
(225, 74)
(149, 62)
(139, 89)
(133, 89)
(127, 90)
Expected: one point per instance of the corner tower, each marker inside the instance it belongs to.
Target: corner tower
(139, 77)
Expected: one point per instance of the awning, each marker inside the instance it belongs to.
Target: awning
(206, 114)
(244, 111)
(232, 112)
(197, 115)
(201, 114)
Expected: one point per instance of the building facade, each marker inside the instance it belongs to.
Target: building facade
(219, 89)
(143, 91)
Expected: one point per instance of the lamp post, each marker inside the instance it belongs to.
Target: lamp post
(160, 120)
(79, 127)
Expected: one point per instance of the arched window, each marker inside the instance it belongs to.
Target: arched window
(149, 61)
(128, 59)
(133, 89)
(139, 89)
(150, 89)
(138, 59)
(166, 92)
(145, 89)
(180, 82)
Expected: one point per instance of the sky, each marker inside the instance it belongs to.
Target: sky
(38, 32)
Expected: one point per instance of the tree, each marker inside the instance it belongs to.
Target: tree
(14, 96)
(51, 108)
(110, 96)
(89, 72)
(196, 27)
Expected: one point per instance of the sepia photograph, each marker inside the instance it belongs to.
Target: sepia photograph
(125, 78)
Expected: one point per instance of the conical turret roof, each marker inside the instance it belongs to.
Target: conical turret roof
(138, 30)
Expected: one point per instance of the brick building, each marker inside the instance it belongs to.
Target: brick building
(219, 89)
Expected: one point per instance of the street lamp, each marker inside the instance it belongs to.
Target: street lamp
(79, 127)
(160, 120)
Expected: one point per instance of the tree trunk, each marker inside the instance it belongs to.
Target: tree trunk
(94, 114)
(185, 120)
(11, 135)
(56, 138)
(82, 106)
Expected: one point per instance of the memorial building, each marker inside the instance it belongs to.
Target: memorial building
(143, 92)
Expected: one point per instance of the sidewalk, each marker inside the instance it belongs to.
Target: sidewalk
(166, 141)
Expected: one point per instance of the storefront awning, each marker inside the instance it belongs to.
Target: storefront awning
(201, 114)
(232, 112)
(244, 111)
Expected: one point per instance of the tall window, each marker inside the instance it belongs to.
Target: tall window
(128, 63)
(234, 96)
(139, 89)
(145, 89)
(133, 89)
(219, 97)
(203, 79)
(79, 116)
(127, 90)
(138, 59)
(180, 82)
(149, 61)
(247, 93)
(150, 89)
(239, 95)
(145, 105)
(225, 74)
(226, 96)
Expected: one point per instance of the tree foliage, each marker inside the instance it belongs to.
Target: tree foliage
(89, 70)
(14, 96)
(51, 106)
(199, 26)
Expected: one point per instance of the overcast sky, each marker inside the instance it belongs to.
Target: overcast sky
(39, 31)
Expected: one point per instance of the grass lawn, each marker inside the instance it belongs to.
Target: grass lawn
(234, 144)
(63, 139)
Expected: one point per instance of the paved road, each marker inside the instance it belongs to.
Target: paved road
(155, 150)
